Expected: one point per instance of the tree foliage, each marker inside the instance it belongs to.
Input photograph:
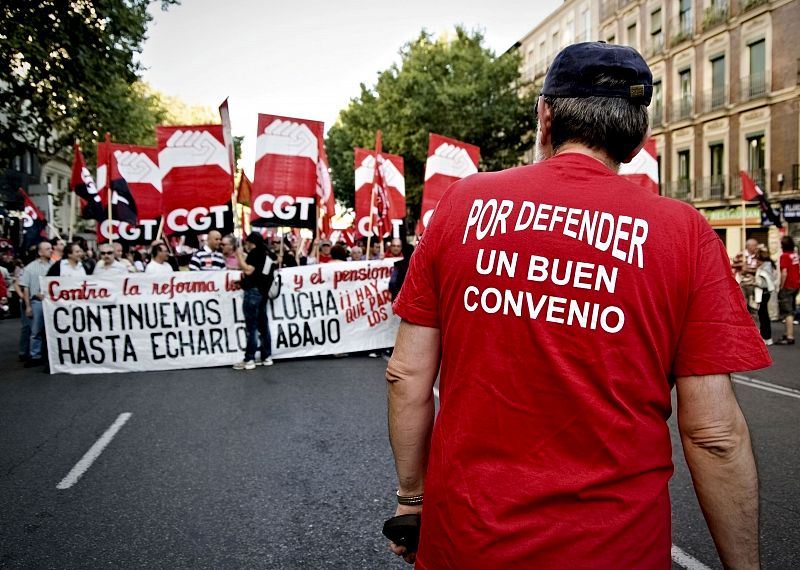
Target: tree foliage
(452, 86)
(67, 70)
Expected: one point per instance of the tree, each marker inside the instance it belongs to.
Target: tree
(452, 86)
(67, 71)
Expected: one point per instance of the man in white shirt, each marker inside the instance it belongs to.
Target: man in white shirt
(158, 260)
(108, 264)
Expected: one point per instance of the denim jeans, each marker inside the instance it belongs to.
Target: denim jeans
(255, 321)
(37, 329)
(25, 331)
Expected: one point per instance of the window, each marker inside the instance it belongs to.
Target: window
(758, 76)
(656, 35)
(611, 39)
(556, 45)
(586, 18)
(658, 103)
(684, 173)
(756, 158)
(685, 103)
(632, 40)
(18, 163)
(717, 186)
(569, 33)
(685, 17)
(28, 162)
(718, 82)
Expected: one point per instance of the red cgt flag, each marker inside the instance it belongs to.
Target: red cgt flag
(750, 190)
(392, 173)
(643, 169)
(448, 160)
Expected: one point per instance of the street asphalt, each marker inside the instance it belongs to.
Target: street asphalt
(280, 467)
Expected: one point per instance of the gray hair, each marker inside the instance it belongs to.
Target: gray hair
(611, 124)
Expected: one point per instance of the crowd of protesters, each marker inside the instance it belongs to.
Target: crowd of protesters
(761, 279)
(21, 297)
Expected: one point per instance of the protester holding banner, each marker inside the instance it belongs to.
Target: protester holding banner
(228, 245)
(71, 265)
(356, 253)
(208, 258)
(258, 272)
(32, 298)
(561, 303)
(159, 254)
(108, 264)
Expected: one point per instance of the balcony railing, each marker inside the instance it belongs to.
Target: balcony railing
(681, 28)
(713, 188)
(656, 45)
(656, 116)
(760, 176)
(755, 86)
(715, 15)
(750, 4)
(679, 189)
(796, 177)
(715, 98)
(682, 108)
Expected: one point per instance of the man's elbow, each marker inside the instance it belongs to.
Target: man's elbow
(723, 440)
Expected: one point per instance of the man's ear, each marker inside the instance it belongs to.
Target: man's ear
(544, 121)
(638, 148)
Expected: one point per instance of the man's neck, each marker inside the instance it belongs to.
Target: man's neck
(598, 155)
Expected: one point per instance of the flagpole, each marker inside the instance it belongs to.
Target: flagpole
(71, 215)
(108, 181)
(744, 222)
(372, 192)
(160, 229)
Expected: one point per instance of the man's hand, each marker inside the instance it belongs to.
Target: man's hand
(401, 550)
(29, 312)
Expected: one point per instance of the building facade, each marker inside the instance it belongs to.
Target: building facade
(726, 96)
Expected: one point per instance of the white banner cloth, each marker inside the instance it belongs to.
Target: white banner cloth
(143, 322)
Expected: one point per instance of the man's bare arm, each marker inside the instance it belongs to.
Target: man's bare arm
(410, 376)
(716, 444)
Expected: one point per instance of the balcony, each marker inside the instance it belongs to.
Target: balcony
(713, 188)
(750, 4)
(679, 189)
(760, 177)
(655, 46)
(681, 28)
(656, 116)
(755, 86)
(715, 99)
(715, 15)
(682, 108)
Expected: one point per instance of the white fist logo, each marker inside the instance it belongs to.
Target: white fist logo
(193, 148)
(138, 167)
(391, 175)
(287, 138)
(450, 160)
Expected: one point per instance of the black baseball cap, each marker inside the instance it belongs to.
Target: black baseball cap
(576, 68)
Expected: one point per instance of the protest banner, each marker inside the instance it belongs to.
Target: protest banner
(144, 322)
(393, 176)
(333, 308)
(448, 160)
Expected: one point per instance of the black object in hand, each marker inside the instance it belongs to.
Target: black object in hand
(403, 530)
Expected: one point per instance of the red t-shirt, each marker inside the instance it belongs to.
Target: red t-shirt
(790, 261)
(568, 299)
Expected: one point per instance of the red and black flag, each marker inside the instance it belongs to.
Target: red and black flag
(34, 223)
(123, 204)
(83, 185)
(751, 191)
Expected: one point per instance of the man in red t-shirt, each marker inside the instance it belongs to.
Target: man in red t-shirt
(790, 284)
(560, 303)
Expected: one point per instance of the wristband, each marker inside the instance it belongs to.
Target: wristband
(409, 500)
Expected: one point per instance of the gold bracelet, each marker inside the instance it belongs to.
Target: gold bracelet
(409, 500)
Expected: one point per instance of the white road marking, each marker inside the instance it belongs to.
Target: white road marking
(94, 452)
(766, 386)
(684, 560)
